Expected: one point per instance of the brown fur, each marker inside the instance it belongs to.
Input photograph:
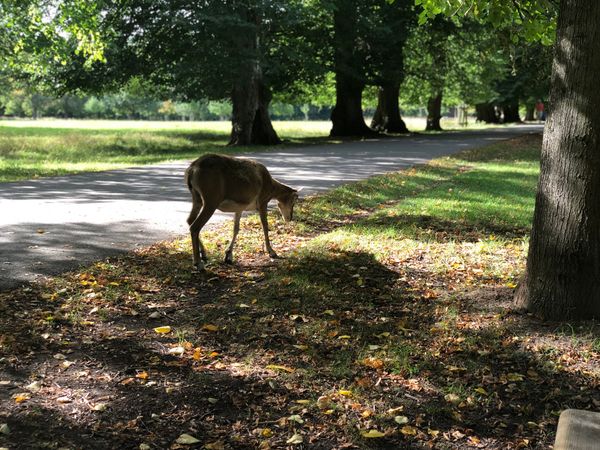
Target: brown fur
(232, 185)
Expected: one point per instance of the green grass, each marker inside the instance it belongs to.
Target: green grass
(31, 149)
(392, 301)
(41, 148)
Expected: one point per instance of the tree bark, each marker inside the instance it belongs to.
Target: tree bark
(434, 113)
(530, 113)
(347, 116)
(387, 115)
(251, 124)
(562, 278)
(486, 112)
(511, 112)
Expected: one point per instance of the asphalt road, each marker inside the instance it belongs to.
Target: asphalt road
(52, 225)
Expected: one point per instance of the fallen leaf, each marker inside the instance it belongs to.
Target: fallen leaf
(179, 350)
(295, 418)
(345, 393)
(408, 430)
(187, 439)
(142, 375)
(481, 391)
(197, 354)
(329, 312)
(301, 347)
(4, 429)
(281, 368)
(372, 434)
(209, 327)
(345, 336)
(295, 439)
(100, 407)
(34, 387)
(163, 330)
(217, 445)
(266, 432)
(373, 363)
(303, 402)
(401, 420)
(64, 399)
(23, 396)
(452, 398)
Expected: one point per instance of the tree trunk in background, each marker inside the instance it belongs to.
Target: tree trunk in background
(530, 113)
(251, 124)
(486, 113)
(347, 116)
(387, 115)
(511, 112)
(434, 113)
(562, 279)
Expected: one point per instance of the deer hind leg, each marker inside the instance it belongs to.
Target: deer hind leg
(236, 230)
(196, 206)
(195, 227)
(265, 226)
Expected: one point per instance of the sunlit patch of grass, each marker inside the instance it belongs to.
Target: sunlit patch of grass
(376, 317)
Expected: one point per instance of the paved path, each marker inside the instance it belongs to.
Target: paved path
(51, 225)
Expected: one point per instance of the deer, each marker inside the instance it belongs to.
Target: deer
(232, 185)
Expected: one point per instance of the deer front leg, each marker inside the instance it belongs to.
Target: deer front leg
(195, 227)
(236, 230)
(265, 226)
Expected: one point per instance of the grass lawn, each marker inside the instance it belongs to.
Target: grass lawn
(388, 324)
(40, 148)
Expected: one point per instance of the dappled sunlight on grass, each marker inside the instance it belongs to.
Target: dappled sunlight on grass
(388, 312)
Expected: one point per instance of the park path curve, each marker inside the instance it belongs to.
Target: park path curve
(51, 225)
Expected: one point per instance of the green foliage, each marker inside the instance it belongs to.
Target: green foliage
(533, 19)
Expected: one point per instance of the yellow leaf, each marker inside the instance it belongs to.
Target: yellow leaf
(282, 368)
(366, 413)
(514, 377)
(481, 391)
(163, 330)
(329, 411)
(345, 336)
(266, 432)
(303, 402)
(373, 363)
(217, 445)
(197, 353)
(301, 347)
(474, 440)
(408, 430)
(433, 433)
(20, 398)
(345, 393)
(142, 375)
(210, 327)
(213, 354)
(329, 312)
(372, 434)
(401, 420)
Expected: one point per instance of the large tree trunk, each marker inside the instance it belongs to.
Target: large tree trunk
(434, 113)
(387, 115)
(486, 112)
(510, 110)
(562, 279)
(530, 113)
(347, 116)
(251, 124)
